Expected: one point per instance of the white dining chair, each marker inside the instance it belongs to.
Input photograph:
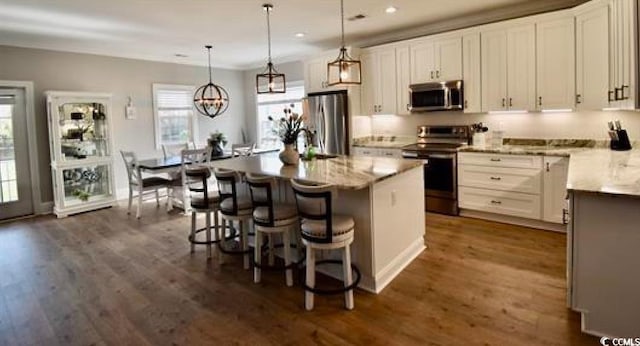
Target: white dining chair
(243, 149)
(143, 185)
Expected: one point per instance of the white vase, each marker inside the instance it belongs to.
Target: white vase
(289, 156)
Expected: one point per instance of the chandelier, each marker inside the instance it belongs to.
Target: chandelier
(345, 70)
(270, 81)
(211, 99)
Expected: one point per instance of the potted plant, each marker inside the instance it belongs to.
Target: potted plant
(288, 128)
(216, 141)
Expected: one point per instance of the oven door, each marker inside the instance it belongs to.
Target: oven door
(440, 175)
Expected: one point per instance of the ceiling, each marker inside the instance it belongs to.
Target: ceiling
(159, 29)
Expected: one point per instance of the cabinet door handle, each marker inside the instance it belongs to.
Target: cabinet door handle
(496, 178)
(618, 94)
(578, 99)
(548, 168)
(495, 160)
(510, 102)
(611, 94)
(466, 104)
(623, 94)
(504, 102)
(540, 101)
(495, 202)
(431, 74)
(408, 107)
(437, 74)
(565, 216)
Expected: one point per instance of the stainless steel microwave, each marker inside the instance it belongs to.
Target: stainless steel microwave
(436, 96)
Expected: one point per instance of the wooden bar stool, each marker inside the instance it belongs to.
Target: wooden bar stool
(235, 206)
(323, 230)
(269, 219)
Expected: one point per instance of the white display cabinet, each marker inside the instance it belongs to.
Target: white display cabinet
(81, 149)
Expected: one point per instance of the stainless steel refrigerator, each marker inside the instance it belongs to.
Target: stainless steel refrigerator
(328, 119)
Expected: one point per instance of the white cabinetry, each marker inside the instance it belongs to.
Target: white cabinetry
(522, 186)
(436, 60)
(379, 81)
(622, 53)
(508, 69)
(383, 152)
(471, 73)
(81, 150)
(555, 63)
(592, 56)
(403, 79)
(555, 172)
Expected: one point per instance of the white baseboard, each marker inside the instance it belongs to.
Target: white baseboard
(388, 273)
(539, 224)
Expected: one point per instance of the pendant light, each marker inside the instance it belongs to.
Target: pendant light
(211, 99)
(344, 70)
(270, 81)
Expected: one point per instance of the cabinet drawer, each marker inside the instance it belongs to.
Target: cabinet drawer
(497, 160)
(500, 202)
(396, 153)
(500, 178)
(364, 151)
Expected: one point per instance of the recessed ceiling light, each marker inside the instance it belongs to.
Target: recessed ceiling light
(391, 9)
(300, 34)
(178, 55)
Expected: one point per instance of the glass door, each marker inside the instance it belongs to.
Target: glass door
(15, 182)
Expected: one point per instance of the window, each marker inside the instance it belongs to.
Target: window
(273, 105)
(174, 114)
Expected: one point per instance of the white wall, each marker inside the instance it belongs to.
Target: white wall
(577, 125)
(50, 70)
(293, 71)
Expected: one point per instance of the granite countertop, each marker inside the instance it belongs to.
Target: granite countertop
(605, 171)
(384, 142)
(346, 172)
(547, 147)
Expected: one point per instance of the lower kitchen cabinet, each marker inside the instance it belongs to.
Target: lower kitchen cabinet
(521, 186)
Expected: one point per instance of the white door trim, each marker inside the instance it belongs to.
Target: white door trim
(38, 206)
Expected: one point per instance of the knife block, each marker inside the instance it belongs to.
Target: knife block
(622, 143)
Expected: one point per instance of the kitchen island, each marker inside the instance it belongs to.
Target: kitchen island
(385, 196)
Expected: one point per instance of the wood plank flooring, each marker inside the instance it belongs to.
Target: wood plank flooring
(105, 278)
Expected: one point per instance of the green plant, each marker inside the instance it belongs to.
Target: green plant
(82, 195)
(218, 137)
(289, 126)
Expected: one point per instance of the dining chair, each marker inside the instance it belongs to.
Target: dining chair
(143, 185)
(173, 150)
(243, 149)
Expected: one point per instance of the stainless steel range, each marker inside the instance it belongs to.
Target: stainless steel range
(437, 147)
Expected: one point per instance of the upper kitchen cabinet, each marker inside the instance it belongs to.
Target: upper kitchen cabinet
(403, 78)
(315, 71)
(379, 81)
(508, 69)
(622, 53)
(471, 72)
(436, 60)
(555, 63)
(592, 56)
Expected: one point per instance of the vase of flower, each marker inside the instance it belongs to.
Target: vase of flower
(288, 128)
(289, 156)
(216, 141)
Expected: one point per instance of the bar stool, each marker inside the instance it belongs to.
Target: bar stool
(195, 175)
(323, 230)
(234, 207)
(269, 219)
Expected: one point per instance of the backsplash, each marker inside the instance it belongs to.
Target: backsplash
(578, 125)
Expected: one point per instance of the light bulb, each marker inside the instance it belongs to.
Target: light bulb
(272, 85)
(344, 75)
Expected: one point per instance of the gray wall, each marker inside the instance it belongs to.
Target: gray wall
(294, 71)
(50, 70)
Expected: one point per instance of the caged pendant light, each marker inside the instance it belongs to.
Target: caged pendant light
(270, 81)
(345, 70)
(211, 99)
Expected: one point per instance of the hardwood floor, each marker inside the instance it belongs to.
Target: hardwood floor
(106, 278)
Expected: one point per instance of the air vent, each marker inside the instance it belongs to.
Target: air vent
(356, 17)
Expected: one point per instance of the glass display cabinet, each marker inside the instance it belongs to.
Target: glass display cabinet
(81, 151)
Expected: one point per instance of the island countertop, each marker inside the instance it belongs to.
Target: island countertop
(345, 172)
(605, 171)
